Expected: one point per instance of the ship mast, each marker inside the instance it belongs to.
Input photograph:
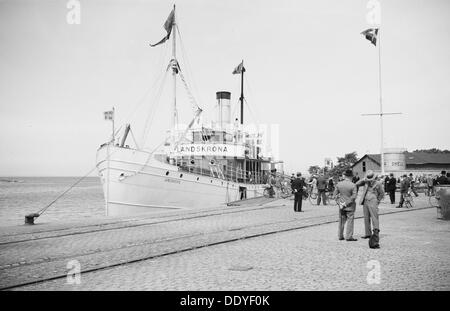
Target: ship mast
(242, 93)
(174, 71)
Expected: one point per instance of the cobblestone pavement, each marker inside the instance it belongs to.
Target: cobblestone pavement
(414, 254)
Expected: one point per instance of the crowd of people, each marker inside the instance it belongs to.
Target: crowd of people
(409, 183)
(374, 189)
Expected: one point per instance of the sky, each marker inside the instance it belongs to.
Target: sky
(308, 70)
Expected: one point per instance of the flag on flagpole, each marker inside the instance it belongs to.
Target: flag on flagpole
(371, 35)
(168, 27)
(239, 69)
(109, 115)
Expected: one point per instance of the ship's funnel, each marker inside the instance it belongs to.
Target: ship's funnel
(223, 108)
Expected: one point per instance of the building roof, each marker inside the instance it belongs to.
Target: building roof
(414, 158)
(374, 157)
(427, 158)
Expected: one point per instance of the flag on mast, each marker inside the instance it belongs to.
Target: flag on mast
(239, 69)
(371, 35)
(168, 27)
(109, 115)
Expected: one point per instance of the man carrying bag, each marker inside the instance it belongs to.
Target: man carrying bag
(346, 190)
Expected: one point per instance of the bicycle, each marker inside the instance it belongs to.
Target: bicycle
(408, 199)
(310, 193)
(434, 200)
(329, 197)
(286, 190)
(269, 192)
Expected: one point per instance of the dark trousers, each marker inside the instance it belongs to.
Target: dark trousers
(321, 195)
(298, 202)
(392, 196)
(414, 191)
(402, 198)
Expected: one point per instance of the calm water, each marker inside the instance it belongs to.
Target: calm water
(30, 194)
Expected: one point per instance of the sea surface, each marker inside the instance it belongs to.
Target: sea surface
(20, 196)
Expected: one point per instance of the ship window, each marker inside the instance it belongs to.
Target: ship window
(167, 173)
(211, 180)
(198, 178)
(181, 175)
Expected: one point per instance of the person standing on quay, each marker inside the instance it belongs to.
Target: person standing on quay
(298, 186)
(372, 195)
(391, 187)
(346, 190)
(430, 184)
(411, 183)
(321, 188)
(442, 180)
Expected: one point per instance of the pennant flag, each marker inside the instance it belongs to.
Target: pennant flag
(371, 35)
(239, 69)
(109, 115)
(168, 27)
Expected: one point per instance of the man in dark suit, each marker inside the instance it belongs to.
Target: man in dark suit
(346, 190)
(321, 188)
(391, 187)
(298, 186)
(442, 180)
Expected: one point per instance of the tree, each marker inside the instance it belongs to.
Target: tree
(344, 163)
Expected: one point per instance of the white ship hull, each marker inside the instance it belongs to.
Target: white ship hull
(134, 182)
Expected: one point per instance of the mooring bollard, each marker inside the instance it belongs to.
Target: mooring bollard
(443, 193)
(29, 219)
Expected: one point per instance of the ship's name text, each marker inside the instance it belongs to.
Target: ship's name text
(192, 148)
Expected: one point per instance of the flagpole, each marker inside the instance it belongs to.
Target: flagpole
(242, 117)
(381, 101)
(370, 36)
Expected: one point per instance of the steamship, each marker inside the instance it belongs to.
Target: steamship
(202, 165)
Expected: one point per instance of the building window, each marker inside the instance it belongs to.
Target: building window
(364, 166)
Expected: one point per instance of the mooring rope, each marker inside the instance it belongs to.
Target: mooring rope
(62, 194)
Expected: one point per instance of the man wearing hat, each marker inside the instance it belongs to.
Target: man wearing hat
(391, 186)
(372, 195)
(346, 190)
(442, 180)
(298, 186)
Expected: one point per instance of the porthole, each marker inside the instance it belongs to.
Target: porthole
(198, 178)
(211, 180)
(181, 175)
(167, 173)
